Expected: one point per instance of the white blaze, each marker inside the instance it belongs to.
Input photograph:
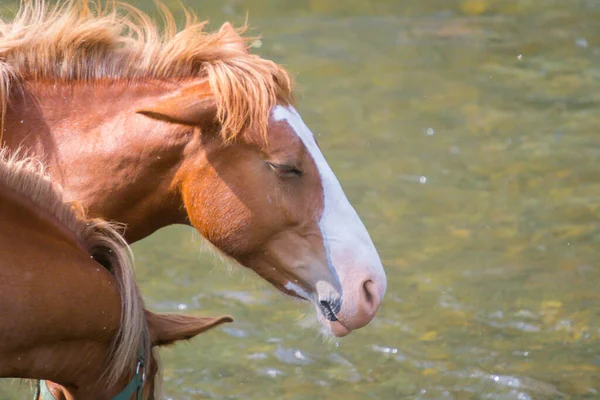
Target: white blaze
(348, 244)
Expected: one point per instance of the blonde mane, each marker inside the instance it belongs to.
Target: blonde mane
(27, 177)
(78, 41)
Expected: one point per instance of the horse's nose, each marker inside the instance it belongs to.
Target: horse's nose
(369, 295)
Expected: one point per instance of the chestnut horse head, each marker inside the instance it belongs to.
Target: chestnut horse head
(151, 129)
(270, 200)
(71, 309)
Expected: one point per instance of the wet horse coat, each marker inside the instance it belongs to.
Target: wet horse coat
(70, 311)
(152, 129)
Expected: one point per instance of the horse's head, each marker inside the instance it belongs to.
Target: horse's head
(164, 330)
(264, 194)
(276, 206)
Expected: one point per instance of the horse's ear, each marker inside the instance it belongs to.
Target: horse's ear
(233, 40)
(189, 105)
(169, 328)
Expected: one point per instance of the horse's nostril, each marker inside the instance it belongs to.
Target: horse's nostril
(368, 289)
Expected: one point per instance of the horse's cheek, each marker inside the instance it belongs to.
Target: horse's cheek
(220, 217)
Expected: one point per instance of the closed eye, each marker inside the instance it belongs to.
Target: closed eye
(285, 171)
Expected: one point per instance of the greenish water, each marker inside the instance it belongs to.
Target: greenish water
(465, 133)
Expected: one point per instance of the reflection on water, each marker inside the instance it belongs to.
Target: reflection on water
(465, 134)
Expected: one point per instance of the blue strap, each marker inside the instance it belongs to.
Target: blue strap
(42, 392)
(135, 386)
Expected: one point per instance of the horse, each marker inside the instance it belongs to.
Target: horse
(153, 126)
(70, 310)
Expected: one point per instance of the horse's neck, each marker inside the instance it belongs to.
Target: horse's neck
(59, 310)
(114, 161)
(68, 363)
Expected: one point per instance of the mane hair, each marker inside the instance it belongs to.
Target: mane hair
(27, 177)
(75, 40)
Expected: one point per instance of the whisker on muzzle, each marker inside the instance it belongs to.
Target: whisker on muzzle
(330, 310)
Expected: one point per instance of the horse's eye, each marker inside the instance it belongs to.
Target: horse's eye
(285, 171)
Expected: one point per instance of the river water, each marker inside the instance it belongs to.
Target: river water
(465, 133)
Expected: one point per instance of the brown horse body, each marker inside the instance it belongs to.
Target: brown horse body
(63, 315)
(189, 128)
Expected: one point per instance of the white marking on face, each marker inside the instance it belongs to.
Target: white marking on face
(292, 287)
(347, 242)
